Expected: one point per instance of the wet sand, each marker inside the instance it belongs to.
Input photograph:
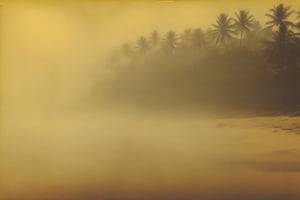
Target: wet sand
(118, 156)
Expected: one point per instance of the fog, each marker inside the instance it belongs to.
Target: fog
(62, 44)
(122, 156)
(63, 137)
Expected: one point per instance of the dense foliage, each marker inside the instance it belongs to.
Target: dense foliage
(237, 64)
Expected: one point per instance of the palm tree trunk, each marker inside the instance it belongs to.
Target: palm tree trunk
(241, 38)
(282, 44)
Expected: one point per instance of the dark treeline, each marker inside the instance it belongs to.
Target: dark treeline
(237, 64)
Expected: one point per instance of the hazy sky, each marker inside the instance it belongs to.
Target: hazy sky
(50, 48)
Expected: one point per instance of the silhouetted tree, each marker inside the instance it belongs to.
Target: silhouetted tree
(281, 54)
(186, 38)
(170, 41)
(223, 29)
(154, 38)
(243, 23)
(279, 18)
(143, 45)
(198, 38)
(209, 36)
(265, 72)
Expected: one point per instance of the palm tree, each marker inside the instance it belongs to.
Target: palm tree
(154, 38)
(186, 38)
(198, 38)
(273, 48)
(143, 45)
(223, 29)
(279, 19)
(243, 23)
(171, 41)
(279, 16)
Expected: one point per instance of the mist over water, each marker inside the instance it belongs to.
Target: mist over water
(56, 143)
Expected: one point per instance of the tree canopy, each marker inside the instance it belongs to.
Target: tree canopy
(236, 63)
